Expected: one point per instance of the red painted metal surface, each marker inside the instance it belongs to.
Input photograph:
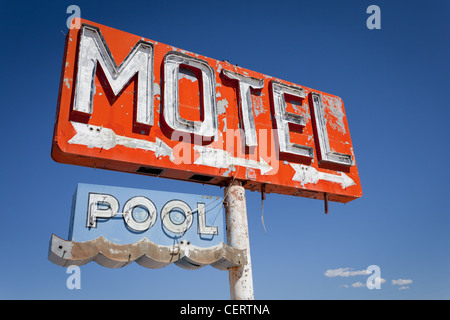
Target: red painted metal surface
(284, 173)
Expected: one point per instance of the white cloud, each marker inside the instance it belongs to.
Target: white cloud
(350, 272)
(401, 282)
(379, 280)
(345, 272)
(358, 284)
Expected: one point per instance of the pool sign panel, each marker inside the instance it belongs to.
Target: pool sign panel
(132, 104)
(127, 215)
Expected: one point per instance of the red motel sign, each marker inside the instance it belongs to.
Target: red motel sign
(131, 104)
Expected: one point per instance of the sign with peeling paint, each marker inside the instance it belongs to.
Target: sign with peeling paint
(127, 215)
(136, 105)
(115, 226)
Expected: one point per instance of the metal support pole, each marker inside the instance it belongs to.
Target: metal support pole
(241, 279)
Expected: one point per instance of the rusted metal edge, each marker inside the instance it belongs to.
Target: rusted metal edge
(144, 252)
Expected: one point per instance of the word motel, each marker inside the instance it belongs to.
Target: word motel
(131, 104)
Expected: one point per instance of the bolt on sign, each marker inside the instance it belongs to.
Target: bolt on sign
(115, 226)
(136, 105)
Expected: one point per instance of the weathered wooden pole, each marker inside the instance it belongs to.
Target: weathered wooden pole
(241, 279)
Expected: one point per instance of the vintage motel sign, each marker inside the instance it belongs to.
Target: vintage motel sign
(132, 104)
(115, 226)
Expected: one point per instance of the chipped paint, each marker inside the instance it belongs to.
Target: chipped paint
(208, 127)
(336, 115)
(156, 89)
(222, 159)
(326, 153)
(258, 106)
(219, 68)
(240, 278)
(105, 138)
(307, 174)
(297, 135)
(145, 253)
(284, 118)
(66, 82)
(230, 169)
(245, 103)
(222, 106)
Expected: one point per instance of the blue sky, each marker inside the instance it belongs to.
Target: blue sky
(394, 83)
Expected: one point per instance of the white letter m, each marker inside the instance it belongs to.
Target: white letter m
(94, 51)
